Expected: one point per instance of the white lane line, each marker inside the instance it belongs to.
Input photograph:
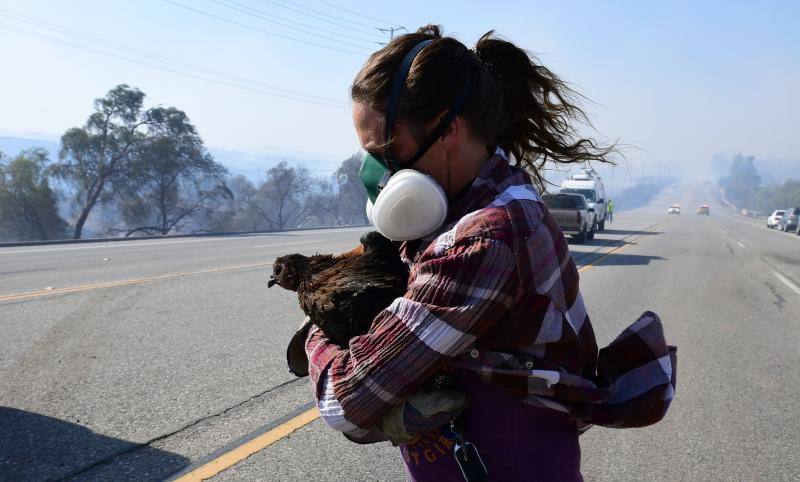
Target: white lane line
(290, 244)
(740, 244)
(133, 244)
(758, 226)
(725, 232)
(787, 282)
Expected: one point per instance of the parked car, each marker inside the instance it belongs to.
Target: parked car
(789, 220)
(703, 209)
(674, 209)
(775, 218)
(573, 215)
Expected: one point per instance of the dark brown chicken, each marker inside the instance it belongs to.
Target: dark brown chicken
(343, 294)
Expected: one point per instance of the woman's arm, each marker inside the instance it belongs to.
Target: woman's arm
(452, 299)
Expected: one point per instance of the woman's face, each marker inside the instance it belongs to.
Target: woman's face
(369, 126)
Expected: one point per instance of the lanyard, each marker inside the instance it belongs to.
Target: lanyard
(467, 456)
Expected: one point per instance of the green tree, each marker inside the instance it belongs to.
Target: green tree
(95, 157)
(742, 181)
(781, 196)
(28, 207)
(172, 177)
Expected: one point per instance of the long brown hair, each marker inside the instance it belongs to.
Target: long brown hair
(515, 102)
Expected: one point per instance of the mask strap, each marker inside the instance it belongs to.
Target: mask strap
(397, 86)
(443, 125)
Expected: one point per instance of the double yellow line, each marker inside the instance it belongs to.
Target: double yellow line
(252, 446)
(112, 284)
(623, 247)
(255, 445)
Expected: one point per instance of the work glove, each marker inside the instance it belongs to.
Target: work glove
(421, 412)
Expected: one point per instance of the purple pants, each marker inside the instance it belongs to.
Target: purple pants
(516, 441)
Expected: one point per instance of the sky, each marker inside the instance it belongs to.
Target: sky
(677, 82)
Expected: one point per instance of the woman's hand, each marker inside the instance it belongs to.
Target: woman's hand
(421, 412)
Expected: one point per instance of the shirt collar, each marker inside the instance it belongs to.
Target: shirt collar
(481, 192)
(483, 188)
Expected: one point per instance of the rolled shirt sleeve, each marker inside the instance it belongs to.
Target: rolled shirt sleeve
(453, 297)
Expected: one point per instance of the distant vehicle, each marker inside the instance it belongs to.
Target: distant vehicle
(590, 185)
(703, 209)
(573, 215)
(674, 209)
(789, 220)
(775, 219)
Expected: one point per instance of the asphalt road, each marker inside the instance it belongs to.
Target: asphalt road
(135, 360)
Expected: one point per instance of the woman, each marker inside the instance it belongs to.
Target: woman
(493, 292)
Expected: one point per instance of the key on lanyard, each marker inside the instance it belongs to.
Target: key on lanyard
(468, 458)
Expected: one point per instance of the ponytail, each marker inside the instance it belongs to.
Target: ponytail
(539, 110)
(516, 103)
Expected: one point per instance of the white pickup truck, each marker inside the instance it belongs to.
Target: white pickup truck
(573, 215)
(591, 186)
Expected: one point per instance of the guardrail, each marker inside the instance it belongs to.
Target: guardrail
(169, 236)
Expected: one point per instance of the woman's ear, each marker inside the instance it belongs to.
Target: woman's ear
(450, 133)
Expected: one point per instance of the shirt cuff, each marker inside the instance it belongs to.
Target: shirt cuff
(320, 352)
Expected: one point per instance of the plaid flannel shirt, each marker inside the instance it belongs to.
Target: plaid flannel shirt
(495, 291)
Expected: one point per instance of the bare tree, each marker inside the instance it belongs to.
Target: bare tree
(233, 213)
(352, 196)
(281, 200)
(342, 199)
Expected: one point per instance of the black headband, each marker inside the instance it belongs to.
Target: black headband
(394, 101)
(397, 86)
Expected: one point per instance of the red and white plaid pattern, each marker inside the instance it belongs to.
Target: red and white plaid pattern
(496, 292)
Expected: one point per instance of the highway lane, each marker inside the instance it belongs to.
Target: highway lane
(135, 362)
(187, 365)
(776, 250)
(131, 363)
(34, 268)
(115, 366)
(735, 414)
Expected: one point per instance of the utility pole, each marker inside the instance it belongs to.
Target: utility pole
(391, 31)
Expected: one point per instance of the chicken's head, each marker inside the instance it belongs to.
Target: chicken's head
(289, 271)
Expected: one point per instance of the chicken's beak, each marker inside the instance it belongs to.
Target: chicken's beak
(272, 282)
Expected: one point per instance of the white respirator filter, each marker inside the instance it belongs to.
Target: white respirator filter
(411, 206)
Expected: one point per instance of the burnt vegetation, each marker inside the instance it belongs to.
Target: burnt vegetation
(132, 171)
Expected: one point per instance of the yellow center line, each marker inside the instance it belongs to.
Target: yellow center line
(627, 244)
(249, 448)
(236, 455)
(111, 284)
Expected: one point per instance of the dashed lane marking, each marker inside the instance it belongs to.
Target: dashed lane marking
(741, 244)
(755, 226)
(789, 283)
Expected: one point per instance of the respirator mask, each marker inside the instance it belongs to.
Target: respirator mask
(404, 204)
